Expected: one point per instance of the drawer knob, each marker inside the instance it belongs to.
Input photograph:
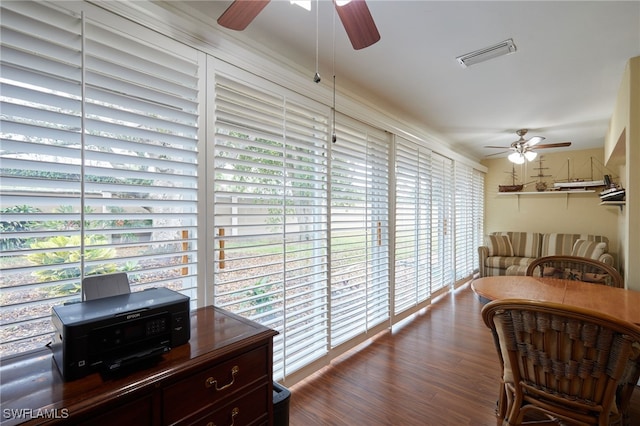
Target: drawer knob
(234, 414)
(211, 382)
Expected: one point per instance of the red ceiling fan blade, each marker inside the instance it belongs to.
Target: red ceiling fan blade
(358, 23)
(553, 145)
(240, 14)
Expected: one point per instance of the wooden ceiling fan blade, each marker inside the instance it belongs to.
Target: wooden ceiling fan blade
(358, 23)
(240, 13)
(553, 145)
(497, 147)
(497, 153)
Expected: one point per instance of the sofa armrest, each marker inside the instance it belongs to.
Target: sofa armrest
(606, 258)
(483, 253)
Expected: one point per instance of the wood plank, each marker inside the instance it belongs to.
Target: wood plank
(441, 368)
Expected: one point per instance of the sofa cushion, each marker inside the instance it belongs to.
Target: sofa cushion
(499, 245)
(559, 272)
(525, 244)
(591, 277)
(503, 262)
(562, 244)
(589, 249)
(574, 274)
(517, 270)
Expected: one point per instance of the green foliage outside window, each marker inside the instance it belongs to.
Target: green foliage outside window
(260, 297)
(67, 252)
(16, 226)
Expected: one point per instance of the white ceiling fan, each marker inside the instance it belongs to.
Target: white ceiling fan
(523, 148)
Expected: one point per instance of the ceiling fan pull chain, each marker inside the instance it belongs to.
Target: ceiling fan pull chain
(316, 77)
(334, 138)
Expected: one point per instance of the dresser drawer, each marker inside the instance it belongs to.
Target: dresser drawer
(249, 409)
(138, 412)
(211, 386)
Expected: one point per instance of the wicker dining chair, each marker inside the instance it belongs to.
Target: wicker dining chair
(575, 268)
(563, 362)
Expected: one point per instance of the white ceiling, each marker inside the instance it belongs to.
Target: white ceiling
(561, 83)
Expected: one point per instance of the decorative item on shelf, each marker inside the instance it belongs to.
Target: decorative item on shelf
(541, 185)
(513, 187)
(578, 183)
(612, 192)
(510, 188)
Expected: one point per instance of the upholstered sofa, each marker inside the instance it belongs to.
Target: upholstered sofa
(509, 253)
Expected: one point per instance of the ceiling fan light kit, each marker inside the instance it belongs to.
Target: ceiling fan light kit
(519, 157)
(503, 48)
(516, 157)
(522, 149)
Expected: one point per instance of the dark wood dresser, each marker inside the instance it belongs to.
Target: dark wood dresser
(223, 376)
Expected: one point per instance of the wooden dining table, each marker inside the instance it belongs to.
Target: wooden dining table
(616, 302)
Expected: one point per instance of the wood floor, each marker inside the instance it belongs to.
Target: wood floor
(439, 369)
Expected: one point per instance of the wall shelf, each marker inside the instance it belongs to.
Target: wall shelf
(566, 193)
(570, 191)
(613, 203)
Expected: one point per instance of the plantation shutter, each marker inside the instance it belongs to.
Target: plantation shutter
(478, 215)
(41, 157)
(270, 214)
(464, 223)
(469, 205)
(413, 226)
(98, 160)
(141, 178)
(442, 232)
(359, 230)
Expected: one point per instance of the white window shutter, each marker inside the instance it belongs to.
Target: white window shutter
(270, 215)
(99, 160)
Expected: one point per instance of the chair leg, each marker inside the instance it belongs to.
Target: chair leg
(501, 404)
(513, 412)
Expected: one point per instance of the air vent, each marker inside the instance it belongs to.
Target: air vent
(503, 48)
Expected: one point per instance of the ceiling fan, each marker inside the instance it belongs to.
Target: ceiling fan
(523, 148)
(354, 14)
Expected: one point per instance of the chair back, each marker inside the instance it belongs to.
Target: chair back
(105, 285)
(563, 361)
(575, 268)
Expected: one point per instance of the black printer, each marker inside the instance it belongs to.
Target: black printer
(114, 332)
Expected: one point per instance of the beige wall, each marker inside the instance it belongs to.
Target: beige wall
(622, 147)
(551, 212)
(581, 213)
